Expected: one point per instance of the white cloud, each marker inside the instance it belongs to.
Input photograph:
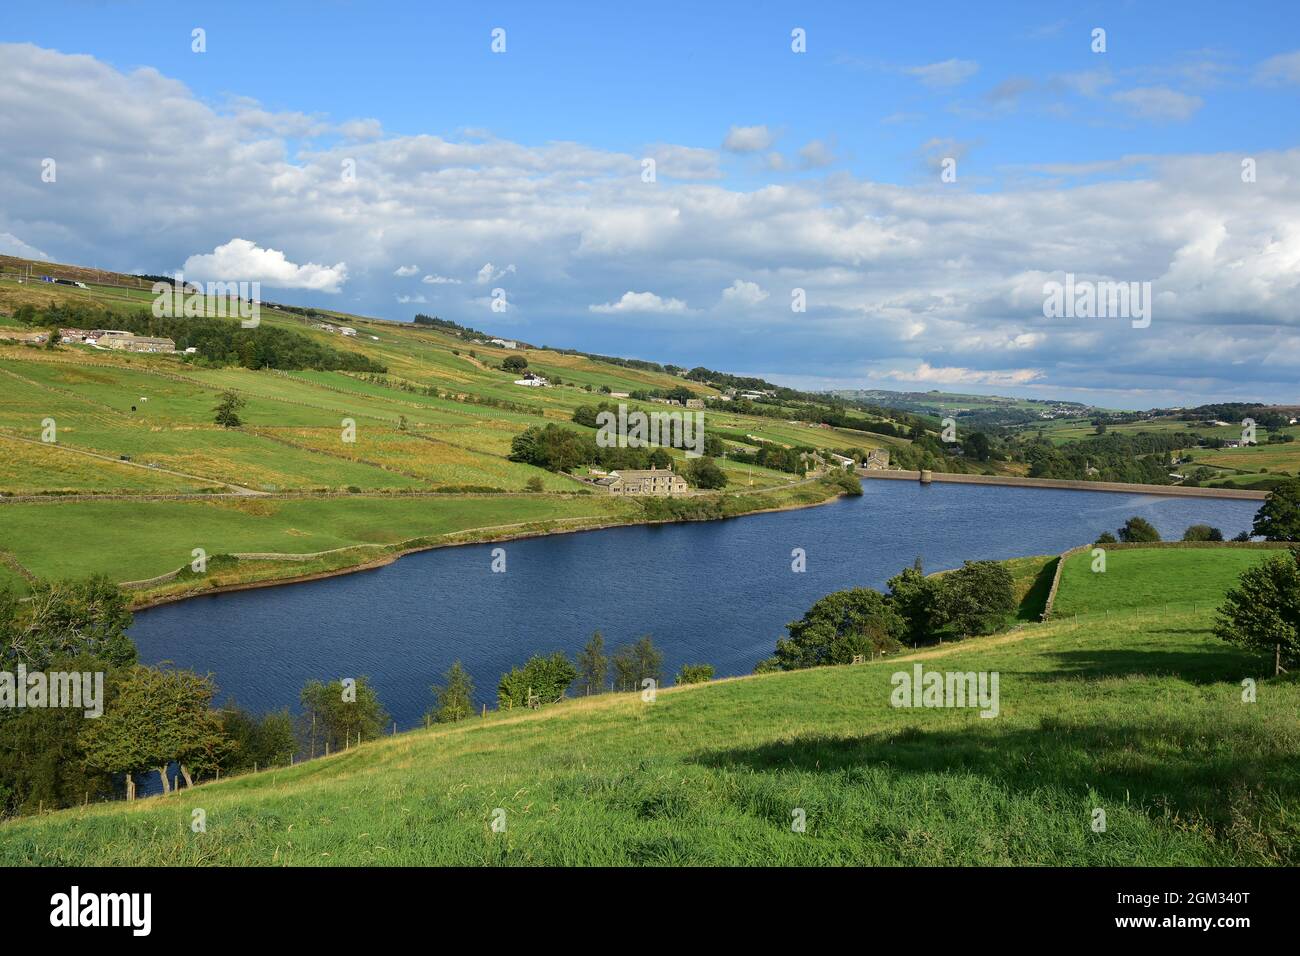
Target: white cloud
(748, 139)
(11, 245)
(743, 293)
(895, 274)
(684, 162)
(943, 75)
(816, 155)
(241, 260)
(361, 129)
(640, 302)
(404, 271)
(1158, 103)
(1280, 69)
(407, 299)
(490, 273)
(953, 375)
(439, 280)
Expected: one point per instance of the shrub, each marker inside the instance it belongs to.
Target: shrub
(695, 674)
(1138, 530)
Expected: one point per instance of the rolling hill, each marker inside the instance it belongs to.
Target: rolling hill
(140, 474)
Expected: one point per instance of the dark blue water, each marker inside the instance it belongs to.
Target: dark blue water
(710, 592)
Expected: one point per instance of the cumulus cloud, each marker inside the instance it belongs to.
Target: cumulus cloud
(440, 280)
(640, 302)
(743, 293)
(748, 139)
(895, 275)
(1158, 103)
(242, 260)
(404, 271)
(490, 273)
(945, 74)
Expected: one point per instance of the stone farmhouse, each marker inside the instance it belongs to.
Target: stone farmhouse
(661, 482)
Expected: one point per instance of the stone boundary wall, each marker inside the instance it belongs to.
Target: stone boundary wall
(1116, 486)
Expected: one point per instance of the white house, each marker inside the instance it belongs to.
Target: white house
(504, 343)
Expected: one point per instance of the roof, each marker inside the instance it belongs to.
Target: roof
(646, 473)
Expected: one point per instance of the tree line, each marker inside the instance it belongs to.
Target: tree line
(863, 623)
(220, 342)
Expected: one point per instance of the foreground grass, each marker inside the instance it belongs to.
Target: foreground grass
(1139, 716)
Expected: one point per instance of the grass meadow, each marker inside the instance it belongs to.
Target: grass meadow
(1139, 715)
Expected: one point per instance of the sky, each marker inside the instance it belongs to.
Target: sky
(827, 195)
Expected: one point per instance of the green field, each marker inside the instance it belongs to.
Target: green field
(441, 419)
(1138, 717)
(1152, 579)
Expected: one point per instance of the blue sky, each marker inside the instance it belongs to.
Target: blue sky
(522, 167)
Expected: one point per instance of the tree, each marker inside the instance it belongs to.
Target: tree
(916, 598)
(66, 618)
(42, 763)
(514, 363)
(695, 674)
(977, 597)
(1137, 530)
(705, 473)
(634, 663)
(533, 484)
(838, 628)
(154, 717)
(1263, 611)
(978, 446)
(1202, 532)
(543, 680)
(454, 699)
(1278, 519)
(1107, 538)
(227, 411)
(659, 458)
(593, 665)
(337, 715)
(255, 742)
(552, 447)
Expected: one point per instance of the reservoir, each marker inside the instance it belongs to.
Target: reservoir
(715, 592)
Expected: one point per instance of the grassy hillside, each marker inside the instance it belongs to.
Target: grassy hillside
(436, 427)
(1154, 579)
(1137, 713)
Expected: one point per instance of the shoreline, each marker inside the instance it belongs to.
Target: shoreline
(393, 556)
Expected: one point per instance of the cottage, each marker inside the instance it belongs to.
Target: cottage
(660, 482)
(877, 459)
(504, 343)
